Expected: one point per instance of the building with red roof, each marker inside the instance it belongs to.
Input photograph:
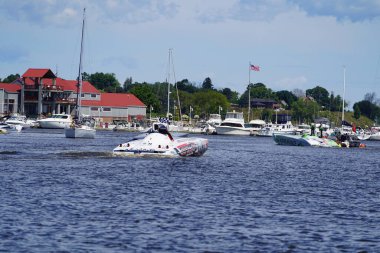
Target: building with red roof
(40, 92)
(9, 97)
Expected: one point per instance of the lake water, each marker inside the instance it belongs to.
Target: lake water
(246, 194)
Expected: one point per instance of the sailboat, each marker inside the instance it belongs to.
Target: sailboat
(80, 128)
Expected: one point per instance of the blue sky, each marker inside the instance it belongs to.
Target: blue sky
(297, 44)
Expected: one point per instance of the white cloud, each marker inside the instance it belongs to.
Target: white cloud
(358, 10)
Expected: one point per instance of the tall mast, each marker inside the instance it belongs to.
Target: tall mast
(168, 81)
(80, 81)
(344, 91)
(249, 91)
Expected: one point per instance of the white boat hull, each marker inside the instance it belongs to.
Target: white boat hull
(54, 124)
(297, 140)
(232, 131)
(80, 132)
(375, 137)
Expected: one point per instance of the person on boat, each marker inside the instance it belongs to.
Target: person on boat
(312, 129)
(353, 127)
(163, 130)
(321, 130)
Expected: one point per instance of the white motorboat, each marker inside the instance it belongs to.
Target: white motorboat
(270, 129)
(20, 120)
(56, 121)
(303, 140)
(213, 121)
(375, 136)
(163, 144)
(256, 125)
(233, 124)
(363, 134)
(3, 125)
(303, 129)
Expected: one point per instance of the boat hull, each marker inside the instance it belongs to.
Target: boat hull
(232, 131)
(83, 133)
(374, 137)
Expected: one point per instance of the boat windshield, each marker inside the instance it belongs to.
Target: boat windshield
(234, 115)
(215, 116)
(230, 124)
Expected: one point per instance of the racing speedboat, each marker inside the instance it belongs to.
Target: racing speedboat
(162, 143)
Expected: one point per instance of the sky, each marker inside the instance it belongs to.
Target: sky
(298, 44)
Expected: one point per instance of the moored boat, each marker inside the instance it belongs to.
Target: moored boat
(80, 131)
(81, 127)
(233, 124)
(56, 121)
(303, 140)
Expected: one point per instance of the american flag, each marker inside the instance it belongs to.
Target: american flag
(254, 68)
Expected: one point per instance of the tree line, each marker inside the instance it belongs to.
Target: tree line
(202, 99)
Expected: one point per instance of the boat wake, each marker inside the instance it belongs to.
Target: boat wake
(9, 152)
(86, 154)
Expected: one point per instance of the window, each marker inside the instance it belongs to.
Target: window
(82, 95)
(94, 109)
(93, 95)
(105, 109)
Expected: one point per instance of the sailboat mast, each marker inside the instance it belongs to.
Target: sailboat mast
(249, 90)
(344, 91)
(168, 81)
(80, 81)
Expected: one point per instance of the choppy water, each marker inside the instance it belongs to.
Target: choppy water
(244, 195)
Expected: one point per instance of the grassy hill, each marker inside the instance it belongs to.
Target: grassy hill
(336, 118)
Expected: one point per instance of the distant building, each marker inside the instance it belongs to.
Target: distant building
(9, 98)
(39, 92)
(264, 103)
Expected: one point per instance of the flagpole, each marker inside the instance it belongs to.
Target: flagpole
(249, 91)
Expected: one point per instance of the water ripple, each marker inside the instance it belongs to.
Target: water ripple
(243, 195)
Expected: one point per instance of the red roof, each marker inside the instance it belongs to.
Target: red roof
(115, 100)
(70, 85)
(42, 73)
(10, 87)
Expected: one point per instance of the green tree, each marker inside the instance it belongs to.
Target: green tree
(11, 78)
(320, 94)
(305, 109)
(368, 109)
(207, 84)
(208, 101)
(286, 96)
(145, 93)
(127, 83)
(86, 76)
(185, 85)
(104, 81)
(356, 111)
(232, 96)
(258, 90)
